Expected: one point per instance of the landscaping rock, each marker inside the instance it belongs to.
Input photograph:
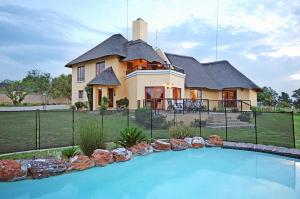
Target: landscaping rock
(43, 168)
(80, 162)
(161, 145)
(179, 144)
(215, 140)
(198, 142)
(11, 170)
(121, 154)
(188, 140)
(102, 157)
(141, 148)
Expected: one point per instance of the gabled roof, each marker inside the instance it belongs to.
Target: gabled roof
(118, 45)
(107, 77)
(114, 45)
(139, 49)
(213, 75)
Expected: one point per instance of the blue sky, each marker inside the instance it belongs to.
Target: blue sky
(260, 38)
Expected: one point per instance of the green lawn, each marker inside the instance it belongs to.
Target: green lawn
(18, 129)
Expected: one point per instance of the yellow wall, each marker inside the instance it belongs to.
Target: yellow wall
(138, 80)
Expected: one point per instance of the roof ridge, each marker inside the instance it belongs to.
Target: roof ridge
(215, 62)
(181, 55)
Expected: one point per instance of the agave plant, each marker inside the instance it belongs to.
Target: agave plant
(130, 136)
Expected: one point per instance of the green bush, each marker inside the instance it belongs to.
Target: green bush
(91, 136)
(196, 123)
(130, 136)
(180, 132)
(69, 152)
(235, 110)
(80, 105)
(143, 117)
(244, 117)
(122, 103)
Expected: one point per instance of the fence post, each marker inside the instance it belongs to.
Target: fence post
(174, 118)
(225, 122)
(208, 106)
(200, 122)
(36, 129)
(127, 118)
(39, 127)
(255, 126)
(73, 129)
(293, 124)
(241, 105)
(151, 123)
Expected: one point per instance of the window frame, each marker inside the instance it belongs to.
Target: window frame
(80, 94)
(81, 73)
(96, 67)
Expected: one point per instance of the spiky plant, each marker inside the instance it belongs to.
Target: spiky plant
(130, 136)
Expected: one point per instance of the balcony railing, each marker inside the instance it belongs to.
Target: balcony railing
(155, 67)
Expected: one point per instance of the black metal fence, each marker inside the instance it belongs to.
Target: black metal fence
(33, 130)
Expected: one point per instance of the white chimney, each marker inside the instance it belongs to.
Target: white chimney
(139, 30)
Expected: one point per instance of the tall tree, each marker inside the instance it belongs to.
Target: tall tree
(296, 95)
(16, 91)
(61, 86)
(37, 81)
(284, 100)
(268, 96)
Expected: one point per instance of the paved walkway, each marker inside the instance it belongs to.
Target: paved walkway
(28, 108)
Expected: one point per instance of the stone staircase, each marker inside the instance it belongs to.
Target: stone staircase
(217, 120)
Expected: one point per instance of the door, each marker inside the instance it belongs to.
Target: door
(99, 96)
(110, 97)
(230, 98)
(155, 96)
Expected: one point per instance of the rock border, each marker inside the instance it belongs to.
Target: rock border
(11, 170)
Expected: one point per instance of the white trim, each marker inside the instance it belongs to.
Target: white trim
(155, 72)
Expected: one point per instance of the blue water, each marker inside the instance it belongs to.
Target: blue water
(202, 173)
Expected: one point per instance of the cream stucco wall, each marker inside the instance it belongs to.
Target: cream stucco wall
(138, 80)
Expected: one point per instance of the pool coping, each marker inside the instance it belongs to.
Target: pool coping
(276, 150)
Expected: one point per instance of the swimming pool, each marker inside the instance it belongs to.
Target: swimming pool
(193, 173)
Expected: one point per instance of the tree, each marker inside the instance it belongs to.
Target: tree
(61, 86)
(296, 95)
(89, 93)
(268, 97)
(16, 91)
(284, 100)
(37, 81)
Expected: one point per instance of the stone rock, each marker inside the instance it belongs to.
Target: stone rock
(215, 140)
(161, 145)
(197, 142)
(188, 140)
(43, 168)
(81, 162)
(179, 144)
(102, 157)
(141, 148)
(12, 170)
(121, 154)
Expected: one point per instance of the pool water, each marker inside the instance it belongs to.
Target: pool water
(202, 173)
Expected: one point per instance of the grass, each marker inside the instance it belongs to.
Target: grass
(18, 129)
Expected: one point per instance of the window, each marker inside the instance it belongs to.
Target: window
(80, 94)
(157, 93)
(176, 93)
(100, 66)
(80, 74)
(196, 94)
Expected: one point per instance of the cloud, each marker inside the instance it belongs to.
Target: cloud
(290, 50)
(251, 56)
(295, 76)
(188, 44)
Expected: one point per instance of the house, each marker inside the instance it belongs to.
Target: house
(119, 68)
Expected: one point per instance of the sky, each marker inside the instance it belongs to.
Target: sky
(261, 38)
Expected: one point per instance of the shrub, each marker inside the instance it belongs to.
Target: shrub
(235, 110)
(69, 152)
(196, 123)
(180, 132)
(79, 105)
(244, 117)
(91, 136)
(122, 103)
(104, 103)
(130, 136)
(143, 117)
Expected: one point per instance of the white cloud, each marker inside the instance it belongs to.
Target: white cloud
(295, 76)
(291, 50)
(188, 44)
(251, 56)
